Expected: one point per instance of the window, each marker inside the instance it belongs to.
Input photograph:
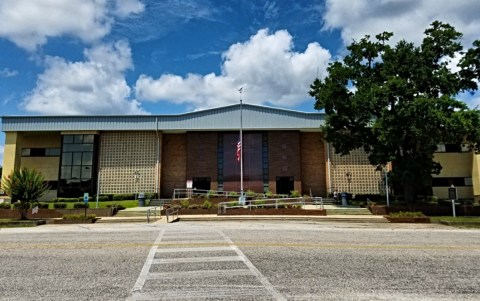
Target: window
(41, 152)
(77, 165)
(447, 182)
(450, 148)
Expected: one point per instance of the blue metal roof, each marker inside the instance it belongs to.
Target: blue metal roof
(223, 118)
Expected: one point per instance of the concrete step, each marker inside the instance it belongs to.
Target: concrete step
(108, 220)
(349, 211)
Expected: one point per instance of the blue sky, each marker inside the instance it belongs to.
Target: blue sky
(84, 57)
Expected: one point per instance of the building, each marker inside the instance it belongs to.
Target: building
(283, 150)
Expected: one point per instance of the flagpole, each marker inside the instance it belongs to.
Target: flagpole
(242, 197)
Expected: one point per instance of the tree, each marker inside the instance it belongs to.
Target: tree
(398, 102)
(24, 186)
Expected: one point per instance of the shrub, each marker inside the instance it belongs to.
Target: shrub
(4, 206)
(66, 200)
(184, 203)
(59, 205)
(432, 199)
(122, 197)
(43, 205)
(250, 193)
(294, 194)
(407, 214)
(258, 203)
(81, 205)
(232, 204)
(232, 194)
(193, 206)
(207, 204)
(269, 194)
(79, 216)
(18, 204)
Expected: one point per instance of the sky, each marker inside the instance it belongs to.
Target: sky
(94, 57)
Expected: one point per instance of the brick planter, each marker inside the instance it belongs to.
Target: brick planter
(54, 213)
(272, 211)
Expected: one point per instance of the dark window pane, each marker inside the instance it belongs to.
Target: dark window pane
(76, 172)
(66, 172)
(77, 159)
(453, 148)
(72, 147)
(37, 152)
(52, 152)
(87, 159)
(87, 147)
(67, 138)
(88, 138)
(86, 172)
(78, 139)
(67, 159)
(25, 152)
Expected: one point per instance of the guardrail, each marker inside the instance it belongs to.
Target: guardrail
(153, 211)
(262, 203)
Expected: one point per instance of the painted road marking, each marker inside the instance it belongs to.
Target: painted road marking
(224, 281)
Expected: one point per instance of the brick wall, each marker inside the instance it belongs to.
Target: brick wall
(284, 157)
(202, 156)
(313, 169)
(174, 163)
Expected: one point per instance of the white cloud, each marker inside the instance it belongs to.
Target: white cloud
(407, 19)
(6, 72)
(266, 66)
(94, 86)
(29, 24)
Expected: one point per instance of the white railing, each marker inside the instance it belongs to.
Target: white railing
(187, 193)
(171, 213)
(262, 203)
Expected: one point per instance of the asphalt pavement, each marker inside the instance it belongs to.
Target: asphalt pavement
(240, 260)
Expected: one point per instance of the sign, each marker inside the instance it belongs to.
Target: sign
(189, 184)
(35, 210)
(85, 197)
(452, 193)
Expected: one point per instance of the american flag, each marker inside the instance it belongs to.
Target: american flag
(239, 150)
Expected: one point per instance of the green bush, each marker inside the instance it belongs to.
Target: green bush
(184, 203)
(294, 194)
(66, 200)
(207, 204)
(81, 205)
(4, 206)
(250, 193)
(43, 205)
(232, 204)
(232, 194)
(193, 206)
(59, 205)
(269, 194)
(17, 205)
(122, 197)
(78, 216)
(407, 214)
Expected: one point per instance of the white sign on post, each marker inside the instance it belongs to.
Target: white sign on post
(85, 197)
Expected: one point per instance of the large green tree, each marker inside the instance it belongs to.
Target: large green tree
(25, 186)
(398, 102)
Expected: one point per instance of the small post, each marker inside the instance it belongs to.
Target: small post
(452, 194)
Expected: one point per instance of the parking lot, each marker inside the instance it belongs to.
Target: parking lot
(249, 260)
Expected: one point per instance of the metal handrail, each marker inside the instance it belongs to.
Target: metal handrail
(223, 206)
(172, 212)
(149, 213)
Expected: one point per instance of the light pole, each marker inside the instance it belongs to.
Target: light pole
(381, 167)
(136, 178)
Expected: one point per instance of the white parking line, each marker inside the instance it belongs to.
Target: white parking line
(148, 263)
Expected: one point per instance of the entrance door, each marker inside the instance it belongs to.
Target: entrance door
(284, 185)
(201, 183)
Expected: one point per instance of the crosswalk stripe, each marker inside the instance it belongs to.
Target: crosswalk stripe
(196, 259)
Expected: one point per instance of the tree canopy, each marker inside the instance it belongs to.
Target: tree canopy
(399, 102)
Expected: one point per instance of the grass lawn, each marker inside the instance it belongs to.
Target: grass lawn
(460, 221)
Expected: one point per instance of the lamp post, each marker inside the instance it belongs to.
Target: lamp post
(381, 167)
(136, 178)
